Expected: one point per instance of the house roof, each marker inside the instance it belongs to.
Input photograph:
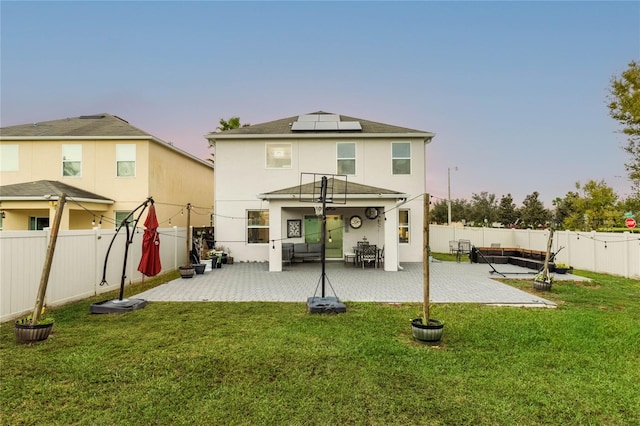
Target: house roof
(282, 127)
(48, 190)
(353, 190)
(98, 126)
(86, 125)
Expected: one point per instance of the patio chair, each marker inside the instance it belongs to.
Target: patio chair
(464, 247)
(453, 246)
(369, 254)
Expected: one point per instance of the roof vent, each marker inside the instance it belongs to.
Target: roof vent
(92, 117)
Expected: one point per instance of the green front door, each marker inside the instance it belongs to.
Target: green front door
(333, 234)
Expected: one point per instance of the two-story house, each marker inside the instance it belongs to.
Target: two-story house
(106, 166)
(260, 187)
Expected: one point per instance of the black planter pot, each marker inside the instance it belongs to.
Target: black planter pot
(561, 270)
(224, 258)
(26, 332)
(542, 285)
(187, 271)
(430, 332)
(199, 268)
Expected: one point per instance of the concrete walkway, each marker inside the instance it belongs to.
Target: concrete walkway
(450, 282)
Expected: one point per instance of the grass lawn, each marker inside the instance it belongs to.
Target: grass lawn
(272, 363)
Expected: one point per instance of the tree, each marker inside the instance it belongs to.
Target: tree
(624, 107)
(439, 212)
(507, 213)
(533, 213)
(594, 206)
(484, 206)
(233, 123)
(565, 208)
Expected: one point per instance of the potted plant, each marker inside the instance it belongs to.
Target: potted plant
(426, 329)
(27, 331)
(543, 281)
(562, 268)
(224, 253)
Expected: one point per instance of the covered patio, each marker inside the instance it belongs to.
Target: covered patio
(355, 213)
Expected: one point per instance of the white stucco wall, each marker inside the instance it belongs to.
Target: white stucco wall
(240, 175)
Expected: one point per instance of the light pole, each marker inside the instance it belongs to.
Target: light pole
(449, 191)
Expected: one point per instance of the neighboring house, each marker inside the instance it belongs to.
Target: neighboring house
(260, 169)
(97, 154)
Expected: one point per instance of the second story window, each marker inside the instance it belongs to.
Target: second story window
(346, 155)
(278, 156)
(401, 158)
(9, 158)
(125, 160)
(71, 160)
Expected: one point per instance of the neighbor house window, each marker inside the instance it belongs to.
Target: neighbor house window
(403, 226)
(71, 160)
(120, 216)
(38, 223)
(257, 226)
(278, 156)
(126, 160)
(9, 158)
(346, 154)
(401, 158)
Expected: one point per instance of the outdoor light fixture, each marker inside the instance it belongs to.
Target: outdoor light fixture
(93, 221)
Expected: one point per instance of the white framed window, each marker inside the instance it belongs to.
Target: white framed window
(125, 160)
(403, 226)
(257, 226)
(72, 160)
(9, 158)
(401, 158)
(346, 158)
(120, 216)
(278, 155)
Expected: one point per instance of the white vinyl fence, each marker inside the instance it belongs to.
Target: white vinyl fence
(609, 253)
(77, 267)
(79, 257)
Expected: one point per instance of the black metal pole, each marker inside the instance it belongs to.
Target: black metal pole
(323, 196)
(124, 264)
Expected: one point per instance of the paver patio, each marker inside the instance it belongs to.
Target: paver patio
(450, 282)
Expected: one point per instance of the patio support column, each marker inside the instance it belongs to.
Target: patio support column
(391, 238)
(275, 237)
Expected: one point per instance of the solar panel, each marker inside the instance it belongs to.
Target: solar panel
(303, 125)
(323, 123)
(327, 125)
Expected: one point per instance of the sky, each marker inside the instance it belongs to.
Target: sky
(516, 92)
